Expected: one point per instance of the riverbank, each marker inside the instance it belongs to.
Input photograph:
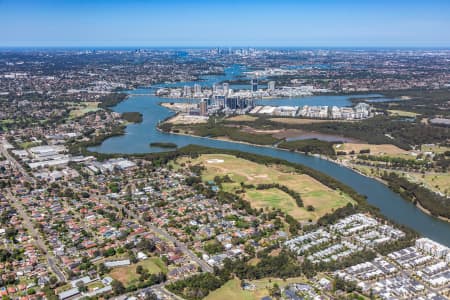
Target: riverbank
(336, 161)
(81, 148)
(111, 100)
(417, 204)
(429, 213)
(138, 137)
(250, 142)
(220, 138)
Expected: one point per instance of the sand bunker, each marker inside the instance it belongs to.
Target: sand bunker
(261, 176)
(215, 161)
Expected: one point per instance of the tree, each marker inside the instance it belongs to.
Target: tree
(31, 291)
(102, 269)
(250, 250)
(10, 233)
(213, 247)
(114, 187)
(149, 295)
(275, 291)
(53, 280)
(139, 269)
(109, 252)
(146, 244)
(310, 208)
(81, 286)
(117, 287)
(165, 260)
(49, 293)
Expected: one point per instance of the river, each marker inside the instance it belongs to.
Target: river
(138, 137)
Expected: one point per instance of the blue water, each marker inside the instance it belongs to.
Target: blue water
(138, 137)
(310, 100)
(208, 80)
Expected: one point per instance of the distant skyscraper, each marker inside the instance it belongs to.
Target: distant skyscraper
(226, 88)
(254, 84)
(197, 89)
(219, 100)
(187, 91)
(203, 107)
(236, 102)
(231, 102)
(271, 86)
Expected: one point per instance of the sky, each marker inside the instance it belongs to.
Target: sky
(226, 23)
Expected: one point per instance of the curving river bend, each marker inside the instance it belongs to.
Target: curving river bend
(138, 137)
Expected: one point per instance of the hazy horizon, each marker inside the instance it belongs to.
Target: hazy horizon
(201, 23)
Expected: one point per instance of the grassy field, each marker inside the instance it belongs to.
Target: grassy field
(27, 145)
(128, 275)
(314, 193)
(95, 285)
(272, 198)
(435, 181)
(5, 123)
(438, 182)
(63, 288)
(385, 149)
(263, 285)
(365, 170)
(241, 118)
(233, 290)
(83, 108)
(434, 148)
(402, 113)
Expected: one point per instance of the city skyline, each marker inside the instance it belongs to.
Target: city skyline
(176, 23)
(237, 149)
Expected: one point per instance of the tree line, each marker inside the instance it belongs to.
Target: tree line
(314, 146)
(436, 204)
(292, 193)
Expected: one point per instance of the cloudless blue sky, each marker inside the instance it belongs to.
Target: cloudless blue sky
(393, 23)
